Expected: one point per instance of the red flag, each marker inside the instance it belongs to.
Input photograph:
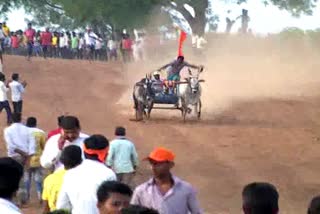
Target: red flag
(183, 37)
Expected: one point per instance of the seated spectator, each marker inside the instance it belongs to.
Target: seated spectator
(314, 207)
(70, 158)
(113, 196)
(135, 209)
(260, 198)
(10, 175)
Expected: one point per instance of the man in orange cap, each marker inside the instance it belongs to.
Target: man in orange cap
(164, 192)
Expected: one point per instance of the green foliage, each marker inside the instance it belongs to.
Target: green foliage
(126, 13)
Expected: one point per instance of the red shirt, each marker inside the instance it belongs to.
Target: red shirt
(127, 44)
(14, 41)
(54, 132)
(30, 34)
(46, 38)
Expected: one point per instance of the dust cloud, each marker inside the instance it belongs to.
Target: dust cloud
(240, 70)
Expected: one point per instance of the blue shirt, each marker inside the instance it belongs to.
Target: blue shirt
(122, 156)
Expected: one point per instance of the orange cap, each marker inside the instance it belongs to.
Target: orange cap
(161, 154)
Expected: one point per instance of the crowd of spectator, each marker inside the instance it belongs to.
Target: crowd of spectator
(71, 44)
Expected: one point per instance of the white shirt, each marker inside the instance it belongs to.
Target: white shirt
(112, 44)
(80, 184)
(98, 45)
(17, 90)
(61, 41)
(81, 43)
(18, 136)
(90, 38)
(3, 92)
(51, 152)
(7, 207)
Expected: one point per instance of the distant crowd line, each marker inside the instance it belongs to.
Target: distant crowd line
(70, 45)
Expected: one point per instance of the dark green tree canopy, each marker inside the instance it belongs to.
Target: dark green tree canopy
(129, 13)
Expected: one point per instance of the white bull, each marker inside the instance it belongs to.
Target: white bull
(190, 94)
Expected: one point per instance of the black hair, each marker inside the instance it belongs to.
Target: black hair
(60, 212)
(15, 76)
(96, 142)
(16, 117)
(314, 207)
(31, 122)
(120, 131)
(106, 188)
(60, 118)
(137, 209)
(2, 77)
(71, 156)
(70, 122)
(181, 57)
(10, 175)
(260, 198)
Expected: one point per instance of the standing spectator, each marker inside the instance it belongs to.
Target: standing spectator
(70, 157)
(17, 89)
(79, 191)
(35, 170)
(4, 104)
(113, 196)
(127, 48)
(90, 40)
(14, 44)
(314, 207)
(98, 48)
(46, 39)
(260, 198)
(164, 192)
(30, 33)
(70, 135)
(37, 44)
(57, 130)
(74, 45)
(113, 49)
(81, 46)
(2, 38)
(11, 173)
(5, 29)
(62, 45)
(55, 45)
(21, 146)
(122, 157)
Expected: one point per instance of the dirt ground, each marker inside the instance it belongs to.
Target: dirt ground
(254, 127)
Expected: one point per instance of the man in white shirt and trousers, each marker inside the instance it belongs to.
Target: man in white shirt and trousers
(70, 135)
(80, 184)
(4, 103)
(17, 89)
(21, 145)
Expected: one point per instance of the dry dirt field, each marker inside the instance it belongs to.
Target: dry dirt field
(260, 122)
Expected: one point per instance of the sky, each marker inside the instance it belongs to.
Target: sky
(264, 19)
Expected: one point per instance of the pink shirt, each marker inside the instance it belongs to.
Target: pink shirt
(46, 38)
(180, 199)
(30, 34)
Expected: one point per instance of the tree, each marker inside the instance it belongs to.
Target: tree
(132, 13)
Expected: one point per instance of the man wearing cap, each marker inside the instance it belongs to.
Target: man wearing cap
(79, 189)
(165, 192)
(69, 135)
